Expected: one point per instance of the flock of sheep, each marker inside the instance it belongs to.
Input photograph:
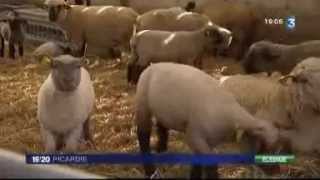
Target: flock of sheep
(166, 50)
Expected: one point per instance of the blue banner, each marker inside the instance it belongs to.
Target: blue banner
(124, 158)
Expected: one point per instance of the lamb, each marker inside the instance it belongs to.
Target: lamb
(11, 30)
(192, 103)
(84, 25)
(266, 56)
(186, 47)
(51, 49)
(65, 101)
(171, 19)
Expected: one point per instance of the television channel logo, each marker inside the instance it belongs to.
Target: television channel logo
(291, 22)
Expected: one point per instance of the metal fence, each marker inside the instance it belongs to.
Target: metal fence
(38, 28)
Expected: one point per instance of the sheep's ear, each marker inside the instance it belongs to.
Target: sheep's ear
(52, 62)
(84, 61)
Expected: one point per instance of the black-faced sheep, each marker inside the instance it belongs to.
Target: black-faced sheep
(11, 31)
(266, 56)
(186, 47)
(65, 101)
(192, 103)
(109, 27)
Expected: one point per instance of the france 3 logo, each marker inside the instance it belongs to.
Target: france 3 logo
(291, 22)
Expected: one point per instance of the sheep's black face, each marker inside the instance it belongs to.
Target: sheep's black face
(54, 12)
(219, 38)
(261, 59)
(66, 73)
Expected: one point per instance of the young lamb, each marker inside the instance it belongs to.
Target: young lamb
(11, 31)
(185, 99)
(65, 101)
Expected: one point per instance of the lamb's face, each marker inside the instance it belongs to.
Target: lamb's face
(55, 8)
(66, 72)
(218, 38)
(307, 86)
(261, 57)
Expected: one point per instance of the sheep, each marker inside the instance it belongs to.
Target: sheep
(266, 56)
(311, 63)
(192, 103)
(85, 25)
(186, 47)
(11, 30)
(80, 2)
(51, 49)
(65, 101)
(171, 19)
(248, 19)
(143, 6)
(287, 105)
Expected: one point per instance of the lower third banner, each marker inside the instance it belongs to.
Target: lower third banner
(122, 158)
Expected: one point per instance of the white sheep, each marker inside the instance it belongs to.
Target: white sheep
(108, 27)
(65, 101)
(186, 99)
(171, 19)
(287, 104)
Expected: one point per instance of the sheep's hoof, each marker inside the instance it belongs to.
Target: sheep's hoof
(156, 175)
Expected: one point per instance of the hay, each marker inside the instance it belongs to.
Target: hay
(114, 129)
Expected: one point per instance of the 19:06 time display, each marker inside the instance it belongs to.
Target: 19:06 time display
(271, 21)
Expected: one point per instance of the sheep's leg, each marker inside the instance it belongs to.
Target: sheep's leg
(144, 123)
(115, 53)
(72, 140)
(11, 50)
(196, 172)
(2, 47)
(162, 138)
(88, 2)
(199, 145)
(211, 171)
(20, 49)
(86, 131)
(48, 140)
(130, 71)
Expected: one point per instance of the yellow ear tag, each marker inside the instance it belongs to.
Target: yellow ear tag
(45, 60)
